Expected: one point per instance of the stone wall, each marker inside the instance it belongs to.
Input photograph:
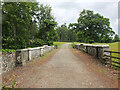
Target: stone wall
(8, 61)
(94, 50)
(34, 53)
(26, 55)
(23, 56)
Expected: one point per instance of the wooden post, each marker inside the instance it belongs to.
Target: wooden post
(110, 58)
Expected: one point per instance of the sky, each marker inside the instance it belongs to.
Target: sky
(67, 11)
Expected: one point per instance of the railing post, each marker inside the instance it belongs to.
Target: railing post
(110, 58)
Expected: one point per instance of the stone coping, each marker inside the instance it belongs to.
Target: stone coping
(34, 48)
(30, 49)
(90, 45)
(22, 50)
(77, 44)
(96, 45)
(41, 47)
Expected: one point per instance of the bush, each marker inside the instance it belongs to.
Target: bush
(49, 43)
(8, 50)
(36, 43)
(91, 41)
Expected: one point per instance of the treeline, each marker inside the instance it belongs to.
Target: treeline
(89, 28)
(65, 34)
(31, 24)
(27, 24)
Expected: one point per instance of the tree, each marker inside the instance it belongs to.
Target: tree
(72, 30)
(116, 38)
(46, 24)
(17, 21)
(93, 27)
(25, 24)
(62, 32)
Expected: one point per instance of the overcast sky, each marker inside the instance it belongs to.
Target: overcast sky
(67, 11)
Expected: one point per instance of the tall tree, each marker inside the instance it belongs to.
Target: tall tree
(62, 32)
(17, 20)
(94, 27)
(116, 38)
(47, 24)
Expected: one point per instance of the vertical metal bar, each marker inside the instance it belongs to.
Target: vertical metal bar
(97, 52)
(110, 58)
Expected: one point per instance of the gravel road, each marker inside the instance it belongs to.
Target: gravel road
(62, 70)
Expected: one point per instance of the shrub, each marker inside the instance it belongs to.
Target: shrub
(91, 41)
(49, 43)
(36, 43)
(8, 50)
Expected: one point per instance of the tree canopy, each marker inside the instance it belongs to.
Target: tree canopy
(91, 27)
(27, 24)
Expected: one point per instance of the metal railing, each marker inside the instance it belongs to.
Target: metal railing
(112, 60)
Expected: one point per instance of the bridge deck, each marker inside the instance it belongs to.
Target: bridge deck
(65, 69)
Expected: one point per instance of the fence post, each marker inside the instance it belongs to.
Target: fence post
(110, 58)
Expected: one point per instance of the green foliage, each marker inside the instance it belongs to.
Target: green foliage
(27, 24)
(8, 50)
(30, 24)
(91, 41)
(37, 42)
(50, 43)
(116, 38)
(62, 32)
(46, 24)
(9, 87)
(65, 34)
(92, 26)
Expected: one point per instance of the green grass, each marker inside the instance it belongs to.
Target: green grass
(112, 47)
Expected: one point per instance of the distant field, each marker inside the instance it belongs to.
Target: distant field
(112, 46)
(59, 44)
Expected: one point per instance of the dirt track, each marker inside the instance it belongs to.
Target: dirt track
(65, 69)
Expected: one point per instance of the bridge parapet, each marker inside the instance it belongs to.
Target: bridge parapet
(94, 50)
(22, 56)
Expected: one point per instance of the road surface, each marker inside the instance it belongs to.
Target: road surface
(62, 70)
